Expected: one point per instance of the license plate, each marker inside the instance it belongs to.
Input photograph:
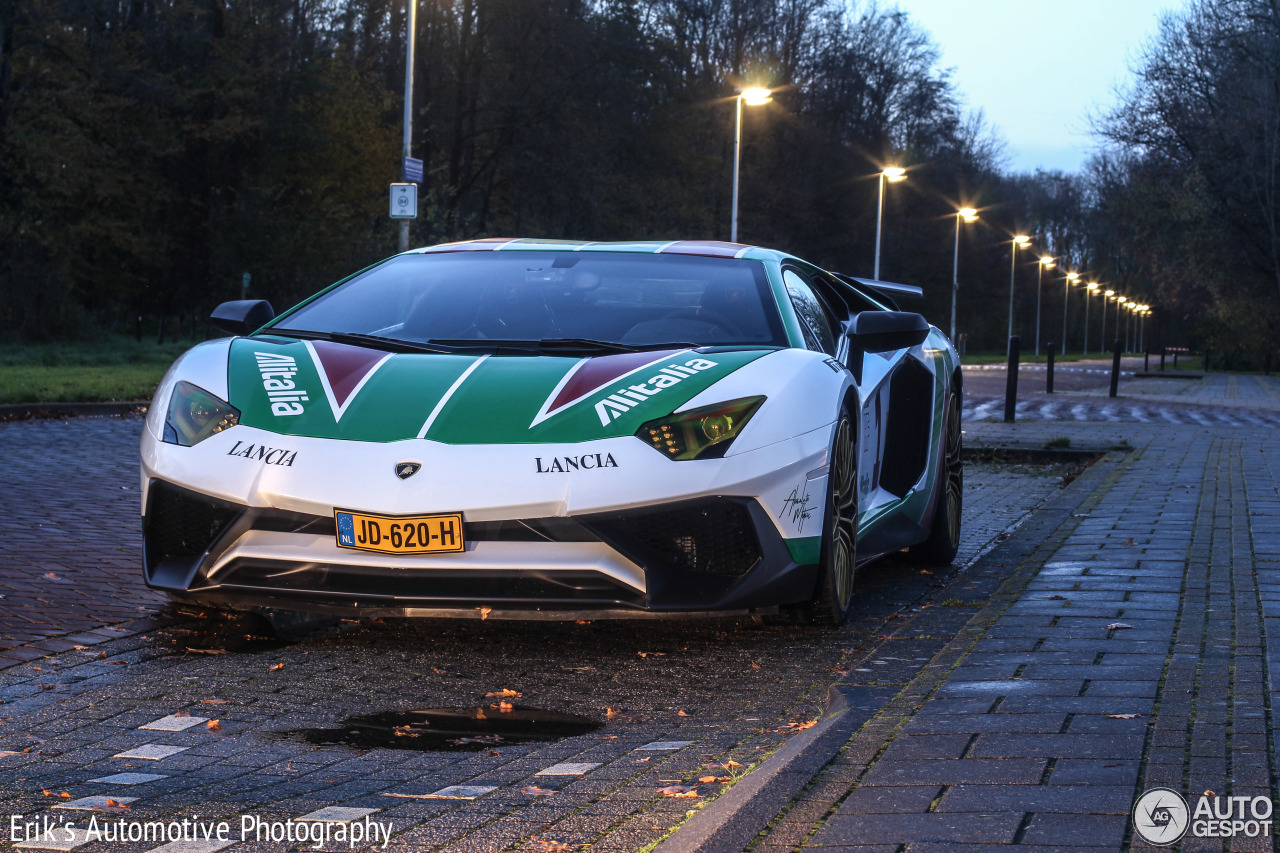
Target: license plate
(399, 534)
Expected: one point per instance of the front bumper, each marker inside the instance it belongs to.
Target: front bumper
(709, 554)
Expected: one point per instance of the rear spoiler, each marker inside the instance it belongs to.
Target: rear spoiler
(888, 290)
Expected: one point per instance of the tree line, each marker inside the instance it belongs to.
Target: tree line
(154, 151)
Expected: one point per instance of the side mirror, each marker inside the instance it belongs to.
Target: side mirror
(242, 316)
(882, 331)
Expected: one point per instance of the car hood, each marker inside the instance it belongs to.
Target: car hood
(330, 390)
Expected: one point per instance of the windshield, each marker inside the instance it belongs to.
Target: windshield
(632, 300)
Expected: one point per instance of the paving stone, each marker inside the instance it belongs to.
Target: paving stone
(173, 723)
(152, 752)
(129, 778)
(1010, 771)
(849, 830)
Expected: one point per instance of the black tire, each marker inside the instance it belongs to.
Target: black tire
(833, 598)
(944, 532)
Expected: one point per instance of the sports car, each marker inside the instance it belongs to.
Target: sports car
(545, 429)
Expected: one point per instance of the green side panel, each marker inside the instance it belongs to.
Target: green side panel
(500, 400)
(806, 549)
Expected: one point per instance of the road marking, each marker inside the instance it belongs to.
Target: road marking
(95, 803)
(336, 814)
(569, 768)
(152, 752)
(173, 723)
(129, 778)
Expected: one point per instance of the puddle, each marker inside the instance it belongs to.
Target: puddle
(448, 729)
(212, 633)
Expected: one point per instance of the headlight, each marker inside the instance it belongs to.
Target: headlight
(699, 433)
(195, 414)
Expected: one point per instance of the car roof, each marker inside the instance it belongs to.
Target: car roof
(709, 248)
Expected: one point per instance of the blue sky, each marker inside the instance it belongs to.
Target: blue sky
(1037, 68)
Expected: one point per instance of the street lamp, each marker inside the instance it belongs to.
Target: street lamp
(892, 174)
(1046, 263)
(1071, 278)
(1088, 291)
(753, 96)
(968, 214)
(1019, 240)
(1120, 301)
(408, 105)
(1107, 296)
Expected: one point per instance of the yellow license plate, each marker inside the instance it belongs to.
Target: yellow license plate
(399, 534)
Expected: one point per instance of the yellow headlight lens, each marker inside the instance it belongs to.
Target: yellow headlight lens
(195, 414)
(703, 433)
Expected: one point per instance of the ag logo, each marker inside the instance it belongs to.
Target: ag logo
(1160, 816)
(405, 470)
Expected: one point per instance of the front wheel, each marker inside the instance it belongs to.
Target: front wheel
(833, 598)
(944, 533)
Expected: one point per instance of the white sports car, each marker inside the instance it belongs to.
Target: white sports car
(526, 428)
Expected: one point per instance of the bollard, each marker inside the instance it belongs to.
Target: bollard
(1011, 379)
(1116, 349)
(1048, 376)
(1162, 352)
(1146, 362)
(1175, 359)
(1206, 359)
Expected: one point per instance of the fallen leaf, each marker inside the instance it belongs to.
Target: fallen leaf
(678, 791)
(706, 779)
(925, 572)
(206, 651)
(546, 844)
(644, 760)
(46, 792)
(439, 671)
(112, 804)
(117, 663)
(1123, 716)
(37, 669)
(484, 613)
(683, 713)
(51, 576)
(584, 621)
(215, 701)
(7, 752)
(535, 791)
(755, 665)
(65, 795)
(730, 763)
(506, 707)
(1116, 626)
(181, 714)
(1210, 794)
(213, 726)
(102, 655)
(611, 712)
(493, 752)
(1128, 541)
(277, 666)
(79, 648)
(504, 693)
(655, 654)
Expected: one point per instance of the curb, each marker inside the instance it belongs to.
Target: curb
(40, 411)
(731, 820)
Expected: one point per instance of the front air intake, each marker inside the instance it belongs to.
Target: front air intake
(713, 536)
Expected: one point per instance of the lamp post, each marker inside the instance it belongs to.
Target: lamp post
(892, 174)
(1120, 301)
(968, 214)
(1046, 263)
(1019, 240)
(1069, 280)
(1107, 296)
(1088, 291)
(753, 96)
(408, 105)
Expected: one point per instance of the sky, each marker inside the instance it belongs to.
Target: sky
(1039, 68)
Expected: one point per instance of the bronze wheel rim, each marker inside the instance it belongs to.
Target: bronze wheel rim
(954, 470)
(844, 511)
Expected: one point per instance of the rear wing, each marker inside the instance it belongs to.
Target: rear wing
(887, 290)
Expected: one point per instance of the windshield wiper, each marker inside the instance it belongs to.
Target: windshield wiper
(362, 340)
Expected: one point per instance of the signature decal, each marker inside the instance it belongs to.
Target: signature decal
(564, 464)
(796, 508)
(623, 400)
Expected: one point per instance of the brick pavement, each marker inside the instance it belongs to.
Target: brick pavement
(1135, 646)
(69, 554)
(724, 691)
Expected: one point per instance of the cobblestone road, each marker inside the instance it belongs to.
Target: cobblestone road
(716, 695)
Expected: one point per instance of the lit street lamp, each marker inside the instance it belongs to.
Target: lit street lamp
(968, 214)
(1107, 296)
(1019, 240)
(1070, 279)
(753, 96)
(1088, 291)
(892, 174)
(1120, 301)
(1046, 263)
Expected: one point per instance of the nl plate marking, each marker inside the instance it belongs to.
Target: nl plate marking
(399, 534)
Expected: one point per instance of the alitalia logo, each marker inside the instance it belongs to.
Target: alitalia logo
(277, 379)
(625, 399)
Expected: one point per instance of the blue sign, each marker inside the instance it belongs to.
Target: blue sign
(412, 170)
